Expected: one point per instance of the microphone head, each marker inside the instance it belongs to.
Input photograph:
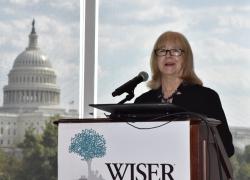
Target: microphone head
(144, 75)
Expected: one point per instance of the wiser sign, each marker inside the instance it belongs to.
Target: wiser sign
(118, 151)
(140, 171)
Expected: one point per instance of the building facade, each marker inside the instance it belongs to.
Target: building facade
(241, 137)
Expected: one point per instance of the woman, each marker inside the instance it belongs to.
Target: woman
(174, 81)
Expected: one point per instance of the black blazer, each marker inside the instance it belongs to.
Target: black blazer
(198, 99)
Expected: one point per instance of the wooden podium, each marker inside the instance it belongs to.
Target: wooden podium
(208, 159)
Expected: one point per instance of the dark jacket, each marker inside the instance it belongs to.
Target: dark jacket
(198, 99)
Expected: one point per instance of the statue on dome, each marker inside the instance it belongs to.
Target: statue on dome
(33, 26)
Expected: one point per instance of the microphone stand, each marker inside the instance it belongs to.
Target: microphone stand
(128, 97)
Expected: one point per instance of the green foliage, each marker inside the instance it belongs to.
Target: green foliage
(241, 164)
(235, 164)
(9, 165)
(39, 156)
(244, 172)
(246, 155)
(39, 160)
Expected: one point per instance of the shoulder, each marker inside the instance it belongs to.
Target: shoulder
(199, 90)
(150, 96)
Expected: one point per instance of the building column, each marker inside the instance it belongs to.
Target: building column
(15, 97)
(9, 97)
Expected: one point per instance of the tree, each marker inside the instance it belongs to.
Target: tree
(244, 172)
(235, 163)
(39, 160)
(241, 163)
(9, 165)
(49, 142)
(88, 145)
(246, 155)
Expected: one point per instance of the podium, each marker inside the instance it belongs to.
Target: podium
(188, 148)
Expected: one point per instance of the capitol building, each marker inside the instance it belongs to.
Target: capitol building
(31, 96)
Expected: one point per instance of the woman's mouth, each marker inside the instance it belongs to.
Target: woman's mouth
(169, 64)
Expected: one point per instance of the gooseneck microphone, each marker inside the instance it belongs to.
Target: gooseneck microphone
(131, 84)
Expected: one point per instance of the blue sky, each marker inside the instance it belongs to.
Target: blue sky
(218, 32)
(57, 26)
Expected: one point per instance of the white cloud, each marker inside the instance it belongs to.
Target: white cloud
(235, 21)
(213, 50)
(57, 39)
(66, 4)
(23, 2)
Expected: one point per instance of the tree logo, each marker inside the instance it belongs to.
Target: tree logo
(88, 144)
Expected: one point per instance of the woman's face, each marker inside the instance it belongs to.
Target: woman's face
(170, 59)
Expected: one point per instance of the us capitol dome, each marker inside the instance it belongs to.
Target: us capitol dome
(32, 80)
(31, 96)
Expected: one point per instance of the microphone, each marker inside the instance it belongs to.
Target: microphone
(131, 84)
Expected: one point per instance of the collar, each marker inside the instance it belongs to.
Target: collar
(178, 91)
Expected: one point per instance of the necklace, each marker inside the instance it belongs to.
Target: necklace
(170, 98)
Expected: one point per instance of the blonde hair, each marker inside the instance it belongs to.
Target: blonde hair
(188, 74)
